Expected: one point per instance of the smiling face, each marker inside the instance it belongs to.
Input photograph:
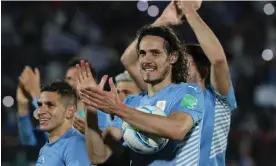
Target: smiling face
(51, 111)
(155, 64)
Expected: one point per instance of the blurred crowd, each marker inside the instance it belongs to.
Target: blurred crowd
(48, 34)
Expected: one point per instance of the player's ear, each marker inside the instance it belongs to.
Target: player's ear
(71, 110)
(173, 58)
(204, 72)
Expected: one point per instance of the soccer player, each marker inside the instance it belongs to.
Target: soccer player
(212, 74)
(29, 85)
(162, 67)
(204, 62)
(57, 105)
(125, 85)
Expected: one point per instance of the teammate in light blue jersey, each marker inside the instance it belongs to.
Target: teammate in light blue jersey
(209, 69)
(204, 62)
(162, 65)
(30, 83)
(65, 146)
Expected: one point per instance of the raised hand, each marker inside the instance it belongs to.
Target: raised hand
(171, 15)
(21, 98)
(187, 5)
(79, 123)
(107, 101)
(86, 80)
(31, 81)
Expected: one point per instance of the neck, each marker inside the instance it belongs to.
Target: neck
(59, 132)
(201, 84)
(153, 88)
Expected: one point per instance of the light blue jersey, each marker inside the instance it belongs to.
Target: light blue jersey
(184, 97)
(69, 150)
(216, 126)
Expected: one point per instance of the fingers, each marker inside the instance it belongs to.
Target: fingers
(88, 70)
(79, 124)
(94, 93)
(103, 81)
(88, 103)
(112, 85)
(83, 69)
(79, 73)
(37, 74)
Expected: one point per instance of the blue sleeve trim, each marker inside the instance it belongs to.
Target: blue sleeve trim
(34, 102)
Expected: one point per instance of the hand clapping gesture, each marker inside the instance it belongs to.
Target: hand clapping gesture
(93, 95)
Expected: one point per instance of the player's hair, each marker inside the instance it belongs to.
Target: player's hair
(172, 45)
(200, 59)
(68, 94)
(74, 61)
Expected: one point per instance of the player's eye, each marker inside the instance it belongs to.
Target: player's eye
(155, 52)
(39, 104)
(142, 53)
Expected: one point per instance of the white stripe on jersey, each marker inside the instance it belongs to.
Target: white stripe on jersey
(221, 127)
(189, 152)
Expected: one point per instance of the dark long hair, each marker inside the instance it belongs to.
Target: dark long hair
(172, 46)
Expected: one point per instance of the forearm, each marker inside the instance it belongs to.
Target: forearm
(153, 124)
(98, 152)
(25, 127)
(206, 38)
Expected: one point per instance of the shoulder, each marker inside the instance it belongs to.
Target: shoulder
(187, 88)
(131, 98)
(74, 137)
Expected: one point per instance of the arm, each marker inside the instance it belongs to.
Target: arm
(175, 127)
(181, 119)
(130, 57)
(100, 146)
(25, 127)
(211, 46)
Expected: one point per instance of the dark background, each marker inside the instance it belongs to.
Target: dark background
(47, 34)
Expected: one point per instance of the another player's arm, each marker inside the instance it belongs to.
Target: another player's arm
(130, 57)
(211, 46)
(176, 126)
(100, 145)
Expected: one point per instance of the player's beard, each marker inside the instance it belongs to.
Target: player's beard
(156, 76)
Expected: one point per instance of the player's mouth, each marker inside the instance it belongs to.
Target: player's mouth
(43, 120)
(149, 69)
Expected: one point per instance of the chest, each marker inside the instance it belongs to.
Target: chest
(49, 156)
(163, 102)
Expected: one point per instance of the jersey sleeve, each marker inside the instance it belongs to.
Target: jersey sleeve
(229, 99)
(26, 130)
(75, 153)
(34, 102)
(190, 99)
(104, 120)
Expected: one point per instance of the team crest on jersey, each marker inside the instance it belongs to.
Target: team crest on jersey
(161, 105)
(188, 101)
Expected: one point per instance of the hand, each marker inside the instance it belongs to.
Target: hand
(21, 98)
(171, 15)
(79, 124)
(187, 5)
(86, 80)
(22, 101)
(31, 81)
(107, 101)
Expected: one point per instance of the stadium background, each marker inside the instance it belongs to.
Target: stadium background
(47, 34)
